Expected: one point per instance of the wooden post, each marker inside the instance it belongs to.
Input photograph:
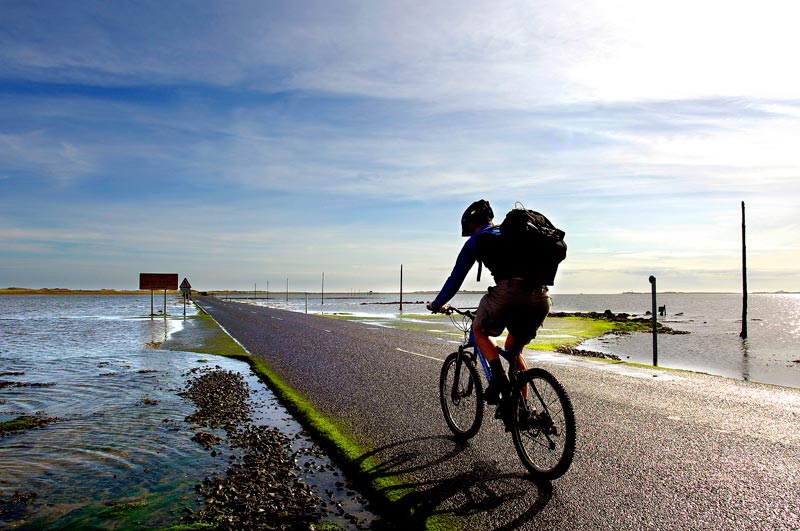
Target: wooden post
(743, 335)
(655, 322)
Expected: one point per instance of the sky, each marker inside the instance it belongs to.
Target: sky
(247, 144)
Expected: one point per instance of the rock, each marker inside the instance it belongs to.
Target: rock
(260, 489)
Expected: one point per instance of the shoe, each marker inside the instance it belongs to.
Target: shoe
(503, 413)
(497, 386)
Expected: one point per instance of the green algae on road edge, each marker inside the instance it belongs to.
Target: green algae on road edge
(326, 431)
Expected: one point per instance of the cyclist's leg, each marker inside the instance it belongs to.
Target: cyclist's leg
(486, 343)
(530, 315)
(498, 383)
(512, 343)
(531, 309)
(490, 321)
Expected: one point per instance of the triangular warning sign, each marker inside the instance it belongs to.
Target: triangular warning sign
(185, 284)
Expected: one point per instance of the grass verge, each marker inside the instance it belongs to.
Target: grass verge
(207, 337)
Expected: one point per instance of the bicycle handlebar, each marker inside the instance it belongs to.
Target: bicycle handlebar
(449, 310)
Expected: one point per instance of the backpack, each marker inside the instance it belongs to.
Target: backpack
(528, 245)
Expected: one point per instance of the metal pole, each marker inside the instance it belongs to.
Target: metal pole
(744, 280)
(655, 322)
(165, 303)
(401, 288)
(152, 304)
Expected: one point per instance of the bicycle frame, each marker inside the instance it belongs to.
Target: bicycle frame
(508, 355)
(543, 430)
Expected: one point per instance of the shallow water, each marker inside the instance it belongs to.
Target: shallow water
(771, 354)
(118, 433)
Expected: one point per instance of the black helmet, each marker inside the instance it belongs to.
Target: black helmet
(478, 213)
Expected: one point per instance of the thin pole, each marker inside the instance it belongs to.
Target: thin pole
(744, 279)
(401, 288)
(323, 289)
(165, 303)
(287, 290)
(152, 304)
(655, 322)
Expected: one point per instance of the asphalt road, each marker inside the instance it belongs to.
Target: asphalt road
(657, 449)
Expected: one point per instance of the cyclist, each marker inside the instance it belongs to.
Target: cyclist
(516, 303)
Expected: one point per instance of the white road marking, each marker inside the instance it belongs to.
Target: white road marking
(418, 354)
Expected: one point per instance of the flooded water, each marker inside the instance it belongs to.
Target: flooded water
(118, 435)
(117, 432)
(771, 354)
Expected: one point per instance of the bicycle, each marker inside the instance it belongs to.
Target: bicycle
(538, 412)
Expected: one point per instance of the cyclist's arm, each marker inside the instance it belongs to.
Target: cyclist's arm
(466, 259)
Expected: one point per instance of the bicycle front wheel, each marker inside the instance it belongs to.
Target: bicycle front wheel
(461, 396)
(544, 424)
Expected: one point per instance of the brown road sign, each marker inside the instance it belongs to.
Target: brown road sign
(163, 281)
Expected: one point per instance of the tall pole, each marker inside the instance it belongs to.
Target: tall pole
(401, 288)
(323, 288)
(655, 322)
(744, 280)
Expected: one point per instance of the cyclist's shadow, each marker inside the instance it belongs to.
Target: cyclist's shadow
(483, 488)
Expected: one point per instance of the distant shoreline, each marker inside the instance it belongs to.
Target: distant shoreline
(66, 291)
(332, 294)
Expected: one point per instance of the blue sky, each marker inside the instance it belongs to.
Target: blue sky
(239, 143)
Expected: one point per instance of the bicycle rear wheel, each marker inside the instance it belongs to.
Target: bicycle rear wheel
(544, 424)
(461, 396)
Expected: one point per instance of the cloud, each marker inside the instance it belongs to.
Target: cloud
(471, 55)
(296, 136)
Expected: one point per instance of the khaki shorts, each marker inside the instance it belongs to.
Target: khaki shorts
(516, 305)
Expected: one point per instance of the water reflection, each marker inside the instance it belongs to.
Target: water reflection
(745, 362)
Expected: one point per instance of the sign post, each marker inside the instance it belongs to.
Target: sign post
(154, 281)
(186, 291)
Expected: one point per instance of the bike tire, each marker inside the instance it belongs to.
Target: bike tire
(462, 405)
(545, 441)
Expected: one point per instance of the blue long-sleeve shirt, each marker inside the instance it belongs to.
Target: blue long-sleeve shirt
(466, 259)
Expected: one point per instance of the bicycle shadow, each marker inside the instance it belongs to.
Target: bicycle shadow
(427, 480)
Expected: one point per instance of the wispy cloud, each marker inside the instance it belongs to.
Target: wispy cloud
(268, 137)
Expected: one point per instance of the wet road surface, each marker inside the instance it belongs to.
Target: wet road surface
(657, 449)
